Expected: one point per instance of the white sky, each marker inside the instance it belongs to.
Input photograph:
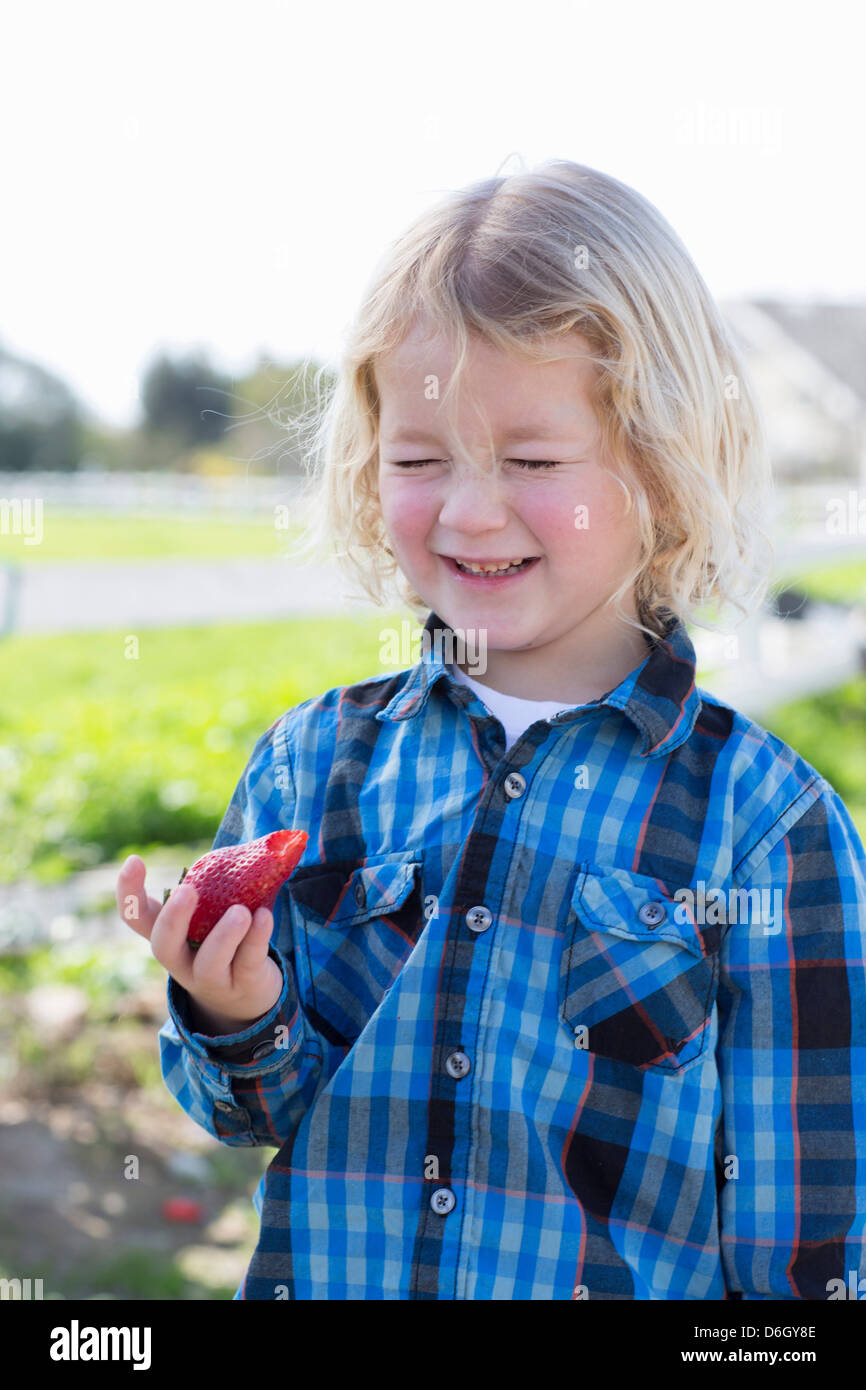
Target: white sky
(182, 173)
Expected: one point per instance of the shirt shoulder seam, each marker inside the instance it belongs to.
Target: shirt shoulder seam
(794, 811)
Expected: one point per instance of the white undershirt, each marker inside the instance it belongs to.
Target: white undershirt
(514, 714)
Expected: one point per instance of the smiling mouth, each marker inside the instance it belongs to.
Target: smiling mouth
(496, 572)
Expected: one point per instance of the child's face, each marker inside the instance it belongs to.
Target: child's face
(544, 626)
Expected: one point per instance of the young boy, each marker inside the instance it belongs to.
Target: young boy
(564, 999)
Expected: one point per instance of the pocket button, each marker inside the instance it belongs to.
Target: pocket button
(360, 893)
(652, 914)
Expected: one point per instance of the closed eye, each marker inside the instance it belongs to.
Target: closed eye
(522, 463)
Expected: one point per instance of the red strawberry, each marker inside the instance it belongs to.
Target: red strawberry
(183, 1209)
(251, 874)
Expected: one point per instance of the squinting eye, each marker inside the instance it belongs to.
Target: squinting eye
(413, 463)
(523, 463)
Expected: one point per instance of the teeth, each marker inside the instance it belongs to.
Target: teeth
(491, 569)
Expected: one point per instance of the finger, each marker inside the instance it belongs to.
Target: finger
(253, 949)
(136, 909)
(212, 961)
(168, 938)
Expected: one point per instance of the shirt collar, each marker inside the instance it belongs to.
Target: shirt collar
(659, 696)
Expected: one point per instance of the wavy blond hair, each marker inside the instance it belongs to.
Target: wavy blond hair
(546, 251)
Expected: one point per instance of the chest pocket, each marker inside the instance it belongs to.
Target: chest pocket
(636, 984)
(355, 924)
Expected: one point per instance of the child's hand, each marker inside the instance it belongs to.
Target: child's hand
(230, 978)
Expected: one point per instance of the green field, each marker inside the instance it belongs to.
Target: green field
(100, 755)
(69, 535)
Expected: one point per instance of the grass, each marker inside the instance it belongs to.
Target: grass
(101, 756)
(842, 582)
(75, 536)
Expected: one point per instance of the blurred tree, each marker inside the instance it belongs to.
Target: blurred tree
(185, 399)
(40, 420)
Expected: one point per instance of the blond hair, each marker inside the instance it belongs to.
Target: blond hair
(547, 251)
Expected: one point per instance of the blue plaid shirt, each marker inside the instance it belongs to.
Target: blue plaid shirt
(586, 1020)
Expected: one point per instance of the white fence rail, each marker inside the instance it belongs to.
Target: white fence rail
(101, 491)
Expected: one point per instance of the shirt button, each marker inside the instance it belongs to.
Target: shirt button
(442, 1201)
(360, 893)
(652, 914)
(479, 918)
(224, 1105)
(261, 1051)
(457, 1064)
(515, 784)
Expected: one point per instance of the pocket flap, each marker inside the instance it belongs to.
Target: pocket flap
(344, 893)
(637, 977)
(635, 907)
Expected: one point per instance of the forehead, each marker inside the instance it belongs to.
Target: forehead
(524, 395)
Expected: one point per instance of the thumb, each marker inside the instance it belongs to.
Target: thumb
(253, 949)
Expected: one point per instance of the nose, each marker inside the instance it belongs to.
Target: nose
(474, 503)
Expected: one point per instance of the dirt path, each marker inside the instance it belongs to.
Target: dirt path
(80, 1114)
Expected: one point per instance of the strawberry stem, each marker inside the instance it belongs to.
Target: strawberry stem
(167, 892)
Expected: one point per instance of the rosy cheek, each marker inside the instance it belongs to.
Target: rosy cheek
(552, 519)
(406, 517)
